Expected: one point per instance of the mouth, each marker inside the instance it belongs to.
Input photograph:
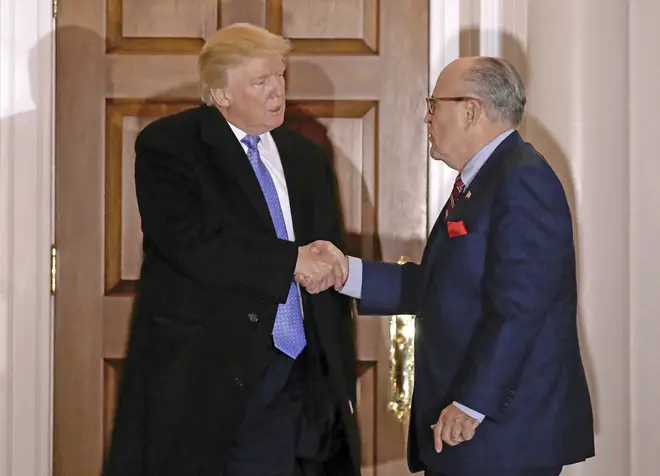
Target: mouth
(276, 110)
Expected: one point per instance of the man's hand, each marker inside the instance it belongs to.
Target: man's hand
(321, 266)
(453, 427)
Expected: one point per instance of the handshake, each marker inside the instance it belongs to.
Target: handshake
(321, 265)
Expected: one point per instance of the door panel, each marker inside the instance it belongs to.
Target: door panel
(356, 83)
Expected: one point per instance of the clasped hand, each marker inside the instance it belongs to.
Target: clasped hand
(321, 265)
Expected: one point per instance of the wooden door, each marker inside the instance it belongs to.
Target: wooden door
(356, 83)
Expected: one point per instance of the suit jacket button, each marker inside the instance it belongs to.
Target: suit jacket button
(238, 382)
(253, 318)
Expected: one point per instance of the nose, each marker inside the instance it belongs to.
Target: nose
(278, 87)
(428, 117)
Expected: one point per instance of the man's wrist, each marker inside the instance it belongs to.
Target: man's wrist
(470, 412)
(345, 266)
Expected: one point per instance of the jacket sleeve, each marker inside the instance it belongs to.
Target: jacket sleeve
(531, 249)
(390, 288)
(206, 246)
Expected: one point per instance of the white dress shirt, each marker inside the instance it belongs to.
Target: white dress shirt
(270, 156)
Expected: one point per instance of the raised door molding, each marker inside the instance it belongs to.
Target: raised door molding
(26, 173)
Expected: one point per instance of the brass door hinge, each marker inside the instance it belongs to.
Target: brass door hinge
(53, 269)
(55, 8)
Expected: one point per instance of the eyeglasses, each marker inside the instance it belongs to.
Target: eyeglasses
(431, 102)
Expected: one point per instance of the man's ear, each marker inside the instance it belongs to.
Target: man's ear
(220, 97)
(472, 113)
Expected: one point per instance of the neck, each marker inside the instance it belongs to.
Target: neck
(487, 135)
(239, 124)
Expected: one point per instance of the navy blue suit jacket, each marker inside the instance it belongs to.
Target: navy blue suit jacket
(496, 322)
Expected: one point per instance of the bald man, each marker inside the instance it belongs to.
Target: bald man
(500, 388)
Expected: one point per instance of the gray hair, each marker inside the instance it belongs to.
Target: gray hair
(497, 84)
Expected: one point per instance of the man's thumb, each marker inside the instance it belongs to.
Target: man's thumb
(318, 246)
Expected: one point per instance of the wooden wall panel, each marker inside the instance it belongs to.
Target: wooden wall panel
(160, 26)
(112, 373)
(333, 27)
(348, 131)
(327, 19)
(367, 385)
(131, 243)
(169, 18)
(119, 198)
(238, 11)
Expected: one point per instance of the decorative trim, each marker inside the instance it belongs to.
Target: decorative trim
(330, 46)
(116, 42)
(348, 109)
(112, 375)
(116, 110)
(299, 110)
(444, 47)
(26, 174)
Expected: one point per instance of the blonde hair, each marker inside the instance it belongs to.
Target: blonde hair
(229, 47)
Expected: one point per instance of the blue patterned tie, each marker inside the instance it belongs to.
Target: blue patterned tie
(288, 331)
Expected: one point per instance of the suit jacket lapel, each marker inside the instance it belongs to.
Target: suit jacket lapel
(438, 237)
(294, 172)
(230, 158)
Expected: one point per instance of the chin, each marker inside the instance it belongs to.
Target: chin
(277, 120)
(441, 158)
(276, 123)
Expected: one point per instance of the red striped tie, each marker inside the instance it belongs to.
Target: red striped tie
(457, 191)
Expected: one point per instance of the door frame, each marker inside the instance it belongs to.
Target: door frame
(26, 234)
(444, 47)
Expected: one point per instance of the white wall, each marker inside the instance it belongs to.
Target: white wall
(644, 175)
(592, 76)
(26, 79)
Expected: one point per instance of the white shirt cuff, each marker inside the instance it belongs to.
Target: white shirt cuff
(476, 415)
(353, 286)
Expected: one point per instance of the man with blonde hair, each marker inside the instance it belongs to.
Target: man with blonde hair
(232, 369)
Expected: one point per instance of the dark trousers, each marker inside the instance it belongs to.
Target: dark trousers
(553, 471)
(268, 436)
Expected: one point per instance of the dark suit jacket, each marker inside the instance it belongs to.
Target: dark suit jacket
(212, 277)
(496, 321)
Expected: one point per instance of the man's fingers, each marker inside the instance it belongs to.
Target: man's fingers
(469, 428)
(453, 428)
(338, 274)
(468, 433)
(437, 436)
(326, 268)
(446, 434)
(319, 245)
(456, 431)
